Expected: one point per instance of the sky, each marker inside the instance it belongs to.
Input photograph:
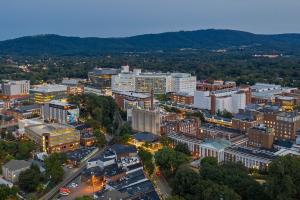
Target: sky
(119, 18)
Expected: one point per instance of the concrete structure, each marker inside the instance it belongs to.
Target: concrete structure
(146, 121)
(12, 169)
(250, 157)
(15, 89)
(53, 137)
(60, 112)
(45, 93)
(261, 137)
(230, 100)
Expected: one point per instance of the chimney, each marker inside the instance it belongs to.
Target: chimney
(151, 103)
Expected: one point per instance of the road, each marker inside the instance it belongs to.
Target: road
(68, 179)
(162, 186)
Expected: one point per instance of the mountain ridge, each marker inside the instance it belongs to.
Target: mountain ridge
(209, 39)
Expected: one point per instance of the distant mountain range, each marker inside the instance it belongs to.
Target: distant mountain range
(211, 39)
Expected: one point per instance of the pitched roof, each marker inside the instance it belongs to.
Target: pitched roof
(17, 164)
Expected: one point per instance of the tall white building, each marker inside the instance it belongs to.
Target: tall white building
(15, 89)
(230, 100)
(124, 81)
(136, 81)
(183, 83)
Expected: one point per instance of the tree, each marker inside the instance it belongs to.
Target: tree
(284, 178)
(183, 148)
(30, 179)
(175, 198)
(183, 180)
(53, 165)
(169, 160)
(7, 193)
(24, 149)
(207, 190)
(100, 138)
(209, 161)
(147, 159)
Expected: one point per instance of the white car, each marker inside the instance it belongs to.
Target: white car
(74, 185)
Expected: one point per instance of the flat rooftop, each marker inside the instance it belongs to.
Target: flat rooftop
(49, 88)
(133, 94)
(53, 128)
(269, 155)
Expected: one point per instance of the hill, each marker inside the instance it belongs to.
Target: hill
(202, 39)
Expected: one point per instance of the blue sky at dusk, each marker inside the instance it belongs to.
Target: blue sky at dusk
(113, 18)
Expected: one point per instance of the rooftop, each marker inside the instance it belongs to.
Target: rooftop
(216, 144)
(28, 108)
(145, 137)
(133, 94)
(266, 154)
(53, 128)
(49, 88)
(17, 164)
(120, 148)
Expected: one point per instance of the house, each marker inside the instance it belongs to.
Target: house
(13, 168)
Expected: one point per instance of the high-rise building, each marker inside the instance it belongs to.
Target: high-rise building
(158, 82)
(183, 83)
(61, 112)
(15, 89)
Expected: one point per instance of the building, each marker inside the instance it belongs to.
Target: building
(160, 83)
(250, 157)
(74, 85)
(101, 78)
(214, 148)
(128, 100)
(60, 112)
(15, 89)
(246, 119)
(53, 137)
(45, 93)
(29, 111)
(285, 124)
(124, 81)
(12, 169)
(188, 127)
(261, 137)
(192, 143)
(183, 83)
(264, 93)
(230, 100)
(216, 85)
(182, 98)
(213, 132)
(146, 121)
